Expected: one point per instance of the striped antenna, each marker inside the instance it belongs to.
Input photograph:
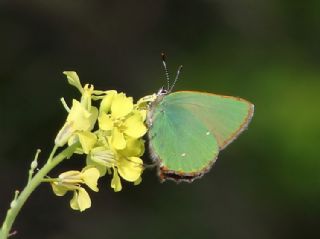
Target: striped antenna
(176, 79)
(163, 57)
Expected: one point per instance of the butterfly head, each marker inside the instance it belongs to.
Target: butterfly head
(162, 91)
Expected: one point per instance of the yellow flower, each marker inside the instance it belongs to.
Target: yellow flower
(121, 105)
(79, 119)
(133, 126)
(121, 144)
(115, 147)
(82, 116)
(129, 168)
(118, 104)
(71, 181)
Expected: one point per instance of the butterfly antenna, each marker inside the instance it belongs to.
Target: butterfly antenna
(176, 79)
(163, 57)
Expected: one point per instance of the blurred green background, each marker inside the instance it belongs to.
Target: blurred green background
(264, 185)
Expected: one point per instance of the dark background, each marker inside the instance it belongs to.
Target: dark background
(265, 185)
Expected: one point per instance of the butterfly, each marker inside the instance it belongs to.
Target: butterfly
(188, 129)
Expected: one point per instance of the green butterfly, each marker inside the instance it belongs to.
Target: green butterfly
(187, 129)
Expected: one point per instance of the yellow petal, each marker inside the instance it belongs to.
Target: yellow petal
(87, 140)
(143, 114)
(79, 115)
(109, 171)
(121, 105)
(116, 182)
(135, 127)
(103, 138)
(105, 104)
(74, 201)
(74, 139)
(81, 200)
(134, 147)
(84, 200)
(92, 118)
(143, 102)
(138, 181)
(71, 177)
(130, 168)
(105, 122)
(73, 79)
(90, 177)
(102, 156)
(82, 118)
(58, 190)
(79, 119)
(64, 134)
(91, 163)
(117, 139)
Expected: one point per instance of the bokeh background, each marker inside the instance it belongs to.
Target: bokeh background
(264, 185)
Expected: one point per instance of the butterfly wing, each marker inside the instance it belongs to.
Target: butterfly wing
(225, 116)
(181, 143)
(189, 128)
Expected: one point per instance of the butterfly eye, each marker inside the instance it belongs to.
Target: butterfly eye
(162, 92)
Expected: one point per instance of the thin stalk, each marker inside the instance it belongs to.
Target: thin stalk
(20, 199)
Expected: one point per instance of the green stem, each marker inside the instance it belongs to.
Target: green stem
(54, 150)
(49, 180)
(19, 201)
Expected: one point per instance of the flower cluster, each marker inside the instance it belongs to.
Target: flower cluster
(110, 136)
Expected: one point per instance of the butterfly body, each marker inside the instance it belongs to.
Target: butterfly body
(187, 129)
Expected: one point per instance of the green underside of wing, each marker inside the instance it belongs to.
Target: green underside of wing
(181, 141)
(189, 128)
(224, 116)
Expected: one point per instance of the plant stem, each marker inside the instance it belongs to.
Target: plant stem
(19, 200)
(49, 180)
